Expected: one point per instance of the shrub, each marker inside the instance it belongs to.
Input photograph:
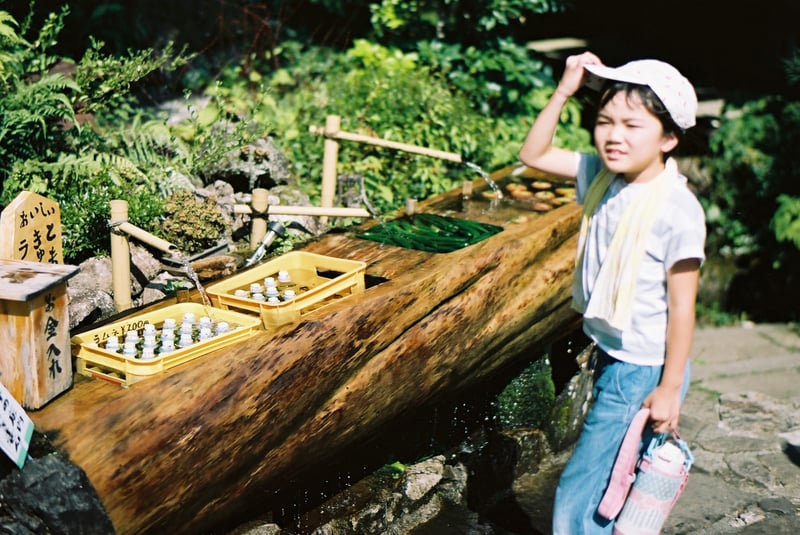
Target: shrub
(752, 207)
(190, 224)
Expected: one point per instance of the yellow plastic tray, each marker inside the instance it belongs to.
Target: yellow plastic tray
(95, 361)
(321, 279)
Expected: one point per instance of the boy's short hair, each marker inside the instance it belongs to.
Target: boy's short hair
(670, 86)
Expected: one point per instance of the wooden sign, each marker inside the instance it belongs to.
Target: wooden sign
(30, 230)
(36, 360)
(16, 428)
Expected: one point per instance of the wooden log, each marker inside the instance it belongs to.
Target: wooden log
(178, 452)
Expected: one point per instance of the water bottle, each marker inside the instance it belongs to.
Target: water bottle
(112, 344)
(661, 478)
(285, 281)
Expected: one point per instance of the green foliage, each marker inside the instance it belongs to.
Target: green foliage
(237, 111)
(394, 95)
(45, 149)
(755, 167)
(455, 20)
(105, 81)
(753, 206)
(787, 220)
(528, 398)
(392, 470)
(713, 315)
(497, 75)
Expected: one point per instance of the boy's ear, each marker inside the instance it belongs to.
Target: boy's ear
(669, 144)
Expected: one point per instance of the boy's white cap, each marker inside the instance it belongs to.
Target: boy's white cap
(675, 91)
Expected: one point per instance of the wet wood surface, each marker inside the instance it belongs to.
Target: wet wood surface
(177, 452)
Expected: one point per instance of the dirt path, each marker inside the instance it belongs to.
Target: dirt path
(741, 420)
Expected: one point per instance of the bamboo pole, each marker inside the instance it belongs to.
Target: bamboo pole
(333, 211)
(120, 258)
(330, 156)
(121, 229)
(348, 136)
(258, 229)
(145, 237)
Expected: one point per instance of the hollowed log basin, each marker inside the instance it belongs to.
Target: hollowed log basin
(176, 452)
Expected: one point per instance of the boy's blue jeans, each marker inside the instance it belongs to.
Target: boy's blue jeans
(619, 390)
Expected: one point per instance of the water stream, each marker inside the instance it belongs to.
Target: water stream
(186, 267)
(488, 179)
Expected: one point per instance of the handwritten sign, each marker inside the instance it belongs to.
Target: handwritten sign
(16, 428)
(31, 227)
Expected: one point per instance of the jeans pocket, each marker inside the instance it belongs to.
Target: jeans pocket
(626, 383)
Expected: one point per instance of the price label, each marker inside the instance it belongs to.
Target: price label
(16, 428)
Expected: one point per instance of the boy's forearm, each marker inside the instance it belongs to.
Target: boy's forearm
(680, 331)
(540, 137)
(682, 283)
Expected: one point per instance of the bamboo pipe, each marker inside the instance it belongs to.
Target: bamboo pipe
(145, 237)
(347, 136)
(277, 209)
(121, 252)
(258, 228)
(120, 259)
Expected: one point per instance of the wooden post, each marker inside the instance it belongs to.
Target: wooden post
(36, 359)
(329, 160)
(258, 222)
(120, 258)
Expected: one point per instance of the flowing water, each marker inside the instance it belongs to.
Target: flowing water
(491, 183)
(187, 268)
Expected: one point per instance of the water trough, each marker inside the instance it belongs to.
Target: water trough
(177, 452)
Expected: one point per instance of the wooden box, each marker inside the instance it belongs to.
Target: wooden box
(35, 356)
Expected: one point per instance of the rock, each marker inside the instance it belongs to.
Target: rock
(91, 289)
(88, 307)
(421, 478)
(222, 193)
(257, 165)
(288, 196)
(49, 495)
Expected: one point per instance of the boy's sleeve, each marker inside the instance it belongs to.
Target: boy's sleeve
(588, 167)
(688, 236)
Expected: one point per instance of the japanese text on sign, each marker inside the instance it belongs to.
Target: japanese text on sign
(16, 428)
(42, 244)
(50, 332)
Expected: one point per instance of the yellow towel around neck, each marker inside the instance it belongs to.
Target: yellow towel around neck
(611, 297)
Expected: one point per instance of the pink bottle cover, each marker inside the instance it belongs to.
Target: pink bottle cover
(628, 461)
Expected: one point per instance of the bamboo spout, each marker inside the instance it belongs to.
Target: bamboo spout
(145, 237)
(415, 149)
(314, 211)
(121, 252)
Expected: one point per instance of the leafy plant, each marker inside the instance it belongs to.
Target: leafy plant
(45, 148)
(390, 94)
(787, 220)
(190, 224)
(752, 208)
(453, 20)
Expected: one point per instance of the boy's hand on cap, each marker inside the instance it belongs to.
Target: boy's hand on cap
(574, 74)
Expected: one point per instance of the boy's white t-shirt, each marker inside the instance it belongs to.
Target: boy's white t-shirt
(678, 233)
